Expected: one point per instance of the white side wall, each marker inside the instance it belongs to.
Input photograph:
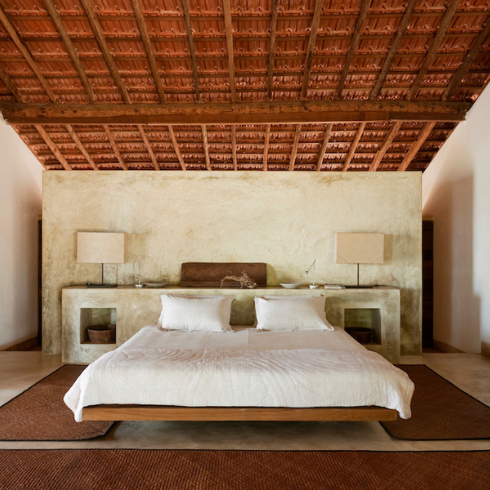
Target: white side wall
(456, 192)
(20, 207)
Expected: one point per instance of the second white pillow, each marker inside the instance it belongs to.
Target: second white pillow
(291, 313)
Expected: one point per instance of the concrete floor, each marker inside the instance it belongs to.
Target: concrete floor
(471, 372)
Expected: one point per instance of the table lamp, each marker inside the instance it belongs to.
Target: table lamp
(101, 248)
(359, 248)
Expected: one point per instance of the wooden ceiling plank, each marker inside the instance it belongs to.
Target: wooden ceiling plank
(52, 146)
(311, 46)
(468, 60)
(11, 87)
(102, 42)
(205, 145)
(70, 48)
(148, 147)
(353, 45)
(176, 148)
(395, 45)
(233, 147)
(296, 112)
(140, 19)
(272, 48)
(266, 147)
(384, 147)
(192, 47)
(353, 147)
(113, 144)
(294, 149)
(323, 149)
(423, 135)
(434, 47)
(26, 53)
(229, 47)
(81, 147)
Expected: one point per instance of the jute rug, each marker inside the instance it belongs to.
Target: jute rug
(39, 413)
(440, 411)
(242, 470)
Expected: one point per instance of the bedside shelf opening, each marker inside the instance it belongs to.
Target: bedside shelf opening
(91, 317)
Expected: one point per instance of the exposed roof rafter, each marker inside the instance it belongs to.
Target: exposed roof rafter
(384, 148)
(80, 146)
(294, 149)
(229, 47)
(233, 147)
(423, 135)
(113, 144)
(272, 47)
(192, 47)
(205, 146)
(353, 147)
(7, 81)
(323, 149)
(52, 146)
(149, 149)
(266, 147)
(176, 148)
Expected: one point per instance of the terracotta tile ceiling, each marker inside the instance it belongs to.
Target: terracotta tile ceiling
(240, 84)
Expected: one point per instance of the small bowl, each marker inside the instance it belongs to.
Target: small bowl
(102, 334)
(160, 284)
(291, 285)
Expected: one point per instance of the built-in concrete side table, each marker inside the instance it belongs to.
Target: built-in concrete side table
(132, 308)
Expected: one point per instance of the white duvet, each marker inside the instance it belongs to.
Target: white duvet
(243, 369)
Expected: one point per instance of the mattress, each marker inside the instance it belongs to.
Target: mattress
(245, 368)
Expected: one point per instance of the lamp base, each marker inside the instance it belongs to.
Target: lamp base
(90, 285)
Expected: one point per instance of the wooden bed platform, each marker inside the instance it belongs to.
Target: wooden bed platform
(172, 413)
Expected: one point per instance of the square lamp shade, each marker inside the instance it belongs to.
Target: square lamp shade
(359, 248)
(101, 248)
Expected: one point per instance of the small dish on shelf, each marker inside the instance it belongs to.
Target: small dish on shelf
(160, 284)
(291, 285)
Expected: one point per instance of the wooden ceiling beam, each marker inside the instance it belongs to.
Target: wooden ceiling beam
(297, 112)
(80, 146)
(113, 144)
(101, 41)
(323, 149)
(233, 147)
(434, 47)
(353, 45)
(468, 60)
(266, 147)
(26, 54)
(272, 48)
(148, 147)
(423, 135)
(52, 146)
(192, 47)
(11, 87)
(353, 147)
(176, 148)
(311, 46)
(395, 45)
(294, 149)
(140, 19)
(70, 48)
(205, 146)
(384, 148)
(229, 47)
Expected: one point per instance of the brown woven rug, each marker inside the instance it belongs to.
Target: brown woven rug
(39, 413)
(440, 411)
(242, 470)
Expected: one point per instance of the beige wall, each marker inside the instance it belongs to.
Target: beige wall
(20, 207)
(456, 192)
(284, 219)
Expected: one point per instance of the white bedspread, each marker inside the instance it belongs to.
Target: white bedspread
(247, 368)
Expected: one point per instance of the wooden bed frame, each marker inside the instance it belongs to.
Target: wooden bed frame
(173, 413)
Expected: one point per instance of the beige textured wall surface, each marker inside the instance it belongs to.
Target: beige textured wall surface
(20, 207)
(283, 219)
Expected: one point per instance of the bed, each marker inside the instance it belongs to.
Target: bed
(243, 375)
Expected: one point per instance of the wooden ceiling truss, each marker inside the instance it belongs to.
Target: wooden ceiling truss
(240, 85)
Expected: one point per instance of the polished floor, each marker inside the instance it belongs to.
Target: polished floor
(470, 372)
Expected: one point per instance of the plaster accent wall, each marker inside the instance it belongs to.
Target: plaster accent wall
(283, 219)
(20, 204)
(456, 193)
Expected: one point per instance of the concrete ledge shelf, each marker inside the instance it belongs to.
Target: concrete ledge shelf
(137, 307)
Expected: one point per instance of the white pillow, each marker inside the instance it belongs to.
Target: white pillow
(291, 313)
(205, 313)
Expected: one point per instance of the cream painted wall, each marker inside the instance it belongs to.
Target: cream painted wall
(456, 192)
(20, 204)
(284, 219)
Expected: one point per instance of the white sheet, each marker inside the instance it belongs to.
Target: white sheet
(248, 368)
